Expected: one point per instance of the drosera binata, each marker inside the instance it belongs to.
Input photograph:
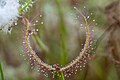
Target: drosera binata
(69, 69)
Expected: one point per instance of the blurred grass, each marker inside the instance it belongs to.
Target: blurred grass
(63, 33)
(40, 43)
(1, 71)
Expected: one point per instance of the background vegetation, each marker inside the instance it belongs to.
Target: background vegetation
(62, 39)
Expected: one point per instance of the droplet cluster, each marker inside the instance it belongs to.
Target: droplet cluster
(34, 60)
(81, 60)
(55, 70)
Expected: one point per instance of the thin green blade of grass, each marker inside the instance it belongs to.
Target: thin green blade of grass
(63, 37)
(62, 76)
(63, 33)
(1, 71)
(40, 43)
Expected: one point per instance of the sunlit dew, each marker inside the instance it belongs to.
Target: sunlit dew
(88, 17)
(81, 25)
(93, 20)
(91, 13)
(36, 21)
(75, 7)
(84, 7)
(93, 30)
(24, 57)
(42, 22)
(40, 16)
(16, 23)
(37, 30)
(35, 63)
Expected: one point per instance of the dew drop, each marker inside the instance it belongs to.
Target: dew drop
(15, 23)
(36, 21)
(94, 20)
(42, 22)
(88, 17)
(40, 15)
(81, 24)
(92, 48)
(92, 30)
(37, 30)
(74, 7)
(84, 6)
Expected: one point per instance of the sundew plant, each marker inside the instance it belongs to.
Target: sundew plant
(74, 66)
(56, 41)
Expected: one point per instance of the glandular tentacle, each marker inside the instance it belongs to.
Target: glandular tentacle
(79, 62)
(72, 68)
(34, 60)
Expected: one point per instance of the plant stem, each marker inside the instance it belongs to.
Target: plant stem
(60, 78)
(62, 75)
(1, 71)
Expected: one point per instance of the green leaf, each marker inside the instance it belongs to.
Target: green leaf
(25, 6)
